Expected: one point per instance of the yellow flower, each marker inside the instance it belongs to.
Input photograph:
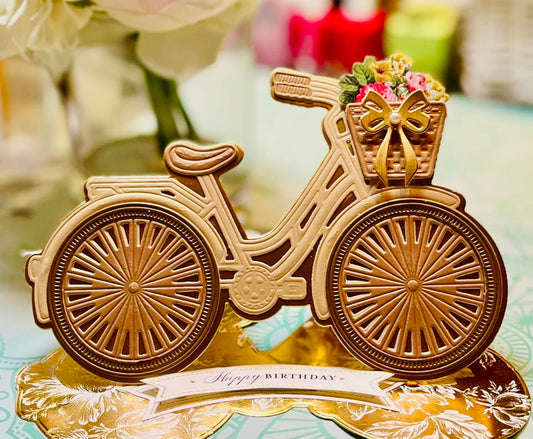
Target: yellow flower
(382, 71)
(435, 91)
(401, 63)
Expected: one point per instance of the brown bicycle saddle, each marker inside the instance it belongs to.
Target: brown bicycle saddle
(189, 159)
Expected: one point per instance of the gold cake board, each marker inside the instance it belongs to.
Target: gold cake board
(489, 399)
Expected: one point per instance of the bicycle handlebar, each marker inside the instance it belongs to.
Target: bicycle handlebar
(303, 89)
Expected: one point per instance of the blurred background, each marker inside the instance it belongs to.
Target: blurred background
(99, 117)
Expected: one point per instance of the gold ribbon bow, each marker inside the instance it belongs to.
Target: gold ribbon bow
(382, 116)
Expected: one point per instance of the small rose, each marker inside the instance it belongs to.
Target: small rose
(415, 81)
(383, 89)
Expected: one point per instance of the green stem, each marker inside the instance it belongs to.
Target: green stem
(72, 115)
(169, 110)
(160, 98)
(178, 105)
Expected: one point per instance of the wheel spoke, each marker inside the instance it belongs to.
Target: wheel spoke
(380, 249)
(104, 312)
(390, 320)
(176, 299)
(110, 253)
(397, 318)
(449, 302)
(442, 264)
(451, 293)
(391, 250)
(83, 290)
(145, 322)
(114, 317)
(401, 244)
(156, 308)
(430, 324)
(168, 243)
(383, 296)
(439, 257)
(369, 278)
(154, 328)
(433, 241)
(101, 254)
(388, 311)
(89, 267)
(466, 273)
(123, 248)
(152, 238)
(76, 279)
(433, 303)
(96, 300)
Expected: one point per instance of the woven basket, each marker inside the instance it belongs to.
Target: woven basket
(425, 145)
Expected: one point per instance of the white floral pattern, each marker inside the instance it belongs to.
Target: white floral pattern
(449, 424)
(487, 360)
(506, 404)
(359, 412)
(85, 404)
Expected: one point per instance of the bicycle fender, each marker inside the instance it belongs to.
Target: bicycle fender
(38, 266)
(333, 233)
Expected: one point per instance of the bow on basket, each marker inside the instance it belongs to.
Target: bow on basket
(409, 116)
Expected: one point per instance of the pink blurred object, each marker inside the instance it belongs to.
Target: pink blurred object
(271, 33)
(335, 42)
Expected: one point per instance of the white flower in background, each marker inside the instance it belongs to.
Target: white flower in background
(162, 15)
(42, 30)
(178, 37)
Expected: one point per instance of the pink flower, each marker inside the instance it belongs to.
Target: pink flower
(415, 81)
(383, 89)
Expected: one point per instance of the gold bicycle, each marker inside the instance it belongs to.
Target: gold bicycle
(134, 281)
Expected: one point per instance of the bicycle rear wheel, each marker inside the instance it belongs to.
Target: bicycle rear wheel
(417, 289)
(134, 292)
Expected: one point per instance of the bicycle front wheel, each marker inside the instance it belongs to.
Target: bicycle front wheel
(417, 289)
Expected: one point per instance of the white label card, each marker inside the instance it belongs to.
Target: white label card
(182, 390)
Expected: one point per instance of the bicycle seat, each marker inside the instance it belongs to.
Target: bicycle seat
(189, 159)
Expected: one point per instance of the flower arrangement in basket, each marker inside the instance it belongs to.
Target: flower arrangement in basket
(396, 118)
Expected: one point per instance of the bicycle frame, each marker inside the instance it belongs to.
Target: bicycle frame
(336, 194)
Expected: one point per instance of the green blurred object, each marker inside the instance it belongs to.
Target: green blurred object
(424, 32)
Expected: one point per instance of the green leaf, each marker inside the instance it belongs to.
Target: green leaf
(348, 97)
(349, 83)
(369, 60)
(363, 74)
(395, 81)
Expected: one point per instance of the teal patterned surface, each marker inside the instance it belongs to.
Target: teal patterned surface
(21, 342)
(486, 155)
